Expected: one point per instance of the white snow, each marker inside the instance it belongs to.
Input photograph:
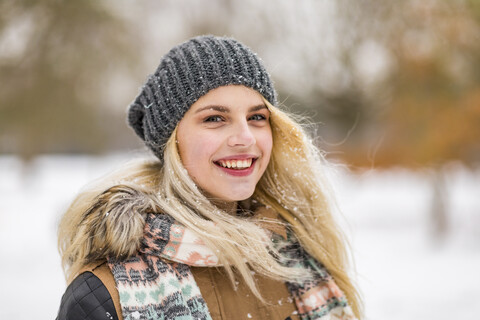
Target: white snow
(402, 272)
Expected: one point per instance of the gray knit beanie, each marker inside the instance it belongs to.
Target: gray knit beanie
(187, 72)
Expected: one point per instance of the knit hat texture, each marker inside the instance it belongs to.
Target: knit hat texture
(186, 73)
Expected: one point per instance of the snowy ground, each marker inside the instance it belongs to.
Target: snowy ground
(402, 271)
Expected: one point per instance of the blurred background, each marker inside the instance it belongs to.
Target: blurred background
(392, 89)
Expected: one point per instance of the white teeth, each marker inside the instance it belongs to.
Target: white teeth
(237, 164)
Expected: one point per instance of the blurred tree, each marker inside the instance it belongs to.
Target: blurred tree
(432, 114)
(54, 56)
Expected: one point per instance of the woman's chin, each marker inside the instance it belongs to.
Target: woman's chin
(234, 196)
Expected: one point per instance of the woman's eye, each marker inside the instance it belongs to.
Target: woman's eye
(258, 117)
(213, 119)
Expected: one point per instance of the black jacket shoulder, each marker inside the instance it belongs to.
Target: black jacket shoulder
(87, 298)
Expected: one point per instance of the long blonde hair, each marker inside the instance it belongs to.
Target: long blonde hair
(107, 219)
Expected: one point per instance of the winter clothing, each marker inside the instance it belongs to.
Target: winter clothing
(187, 72)
(174, 275)
(158, 280)
(224, 302)
(89, 297)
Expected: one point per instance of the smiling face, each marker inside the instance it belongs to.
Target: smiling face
(225, 141)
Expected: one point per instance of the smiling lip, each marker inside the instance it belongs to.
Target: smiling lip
(238, 165)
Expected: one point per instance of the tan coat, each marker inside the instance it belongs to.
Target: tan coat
(222, 300)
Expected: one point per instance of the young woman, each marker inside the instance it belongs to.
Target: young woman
(230, 221)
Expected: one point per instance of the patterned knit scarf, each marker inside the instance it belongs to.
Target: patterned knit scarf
(157, 283)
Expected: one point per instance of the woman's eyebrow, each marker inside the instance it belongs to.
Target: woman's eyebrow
(256, 108)
(227, 110)
(216, 108)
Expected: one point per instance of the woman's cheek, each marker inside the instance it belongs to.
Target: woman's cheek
(201, 149)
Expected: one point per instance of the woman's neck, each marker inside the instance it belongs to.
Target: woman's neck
(227, 206)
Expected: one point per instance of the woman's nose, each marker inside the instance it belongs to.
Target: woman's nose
(242, 135)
